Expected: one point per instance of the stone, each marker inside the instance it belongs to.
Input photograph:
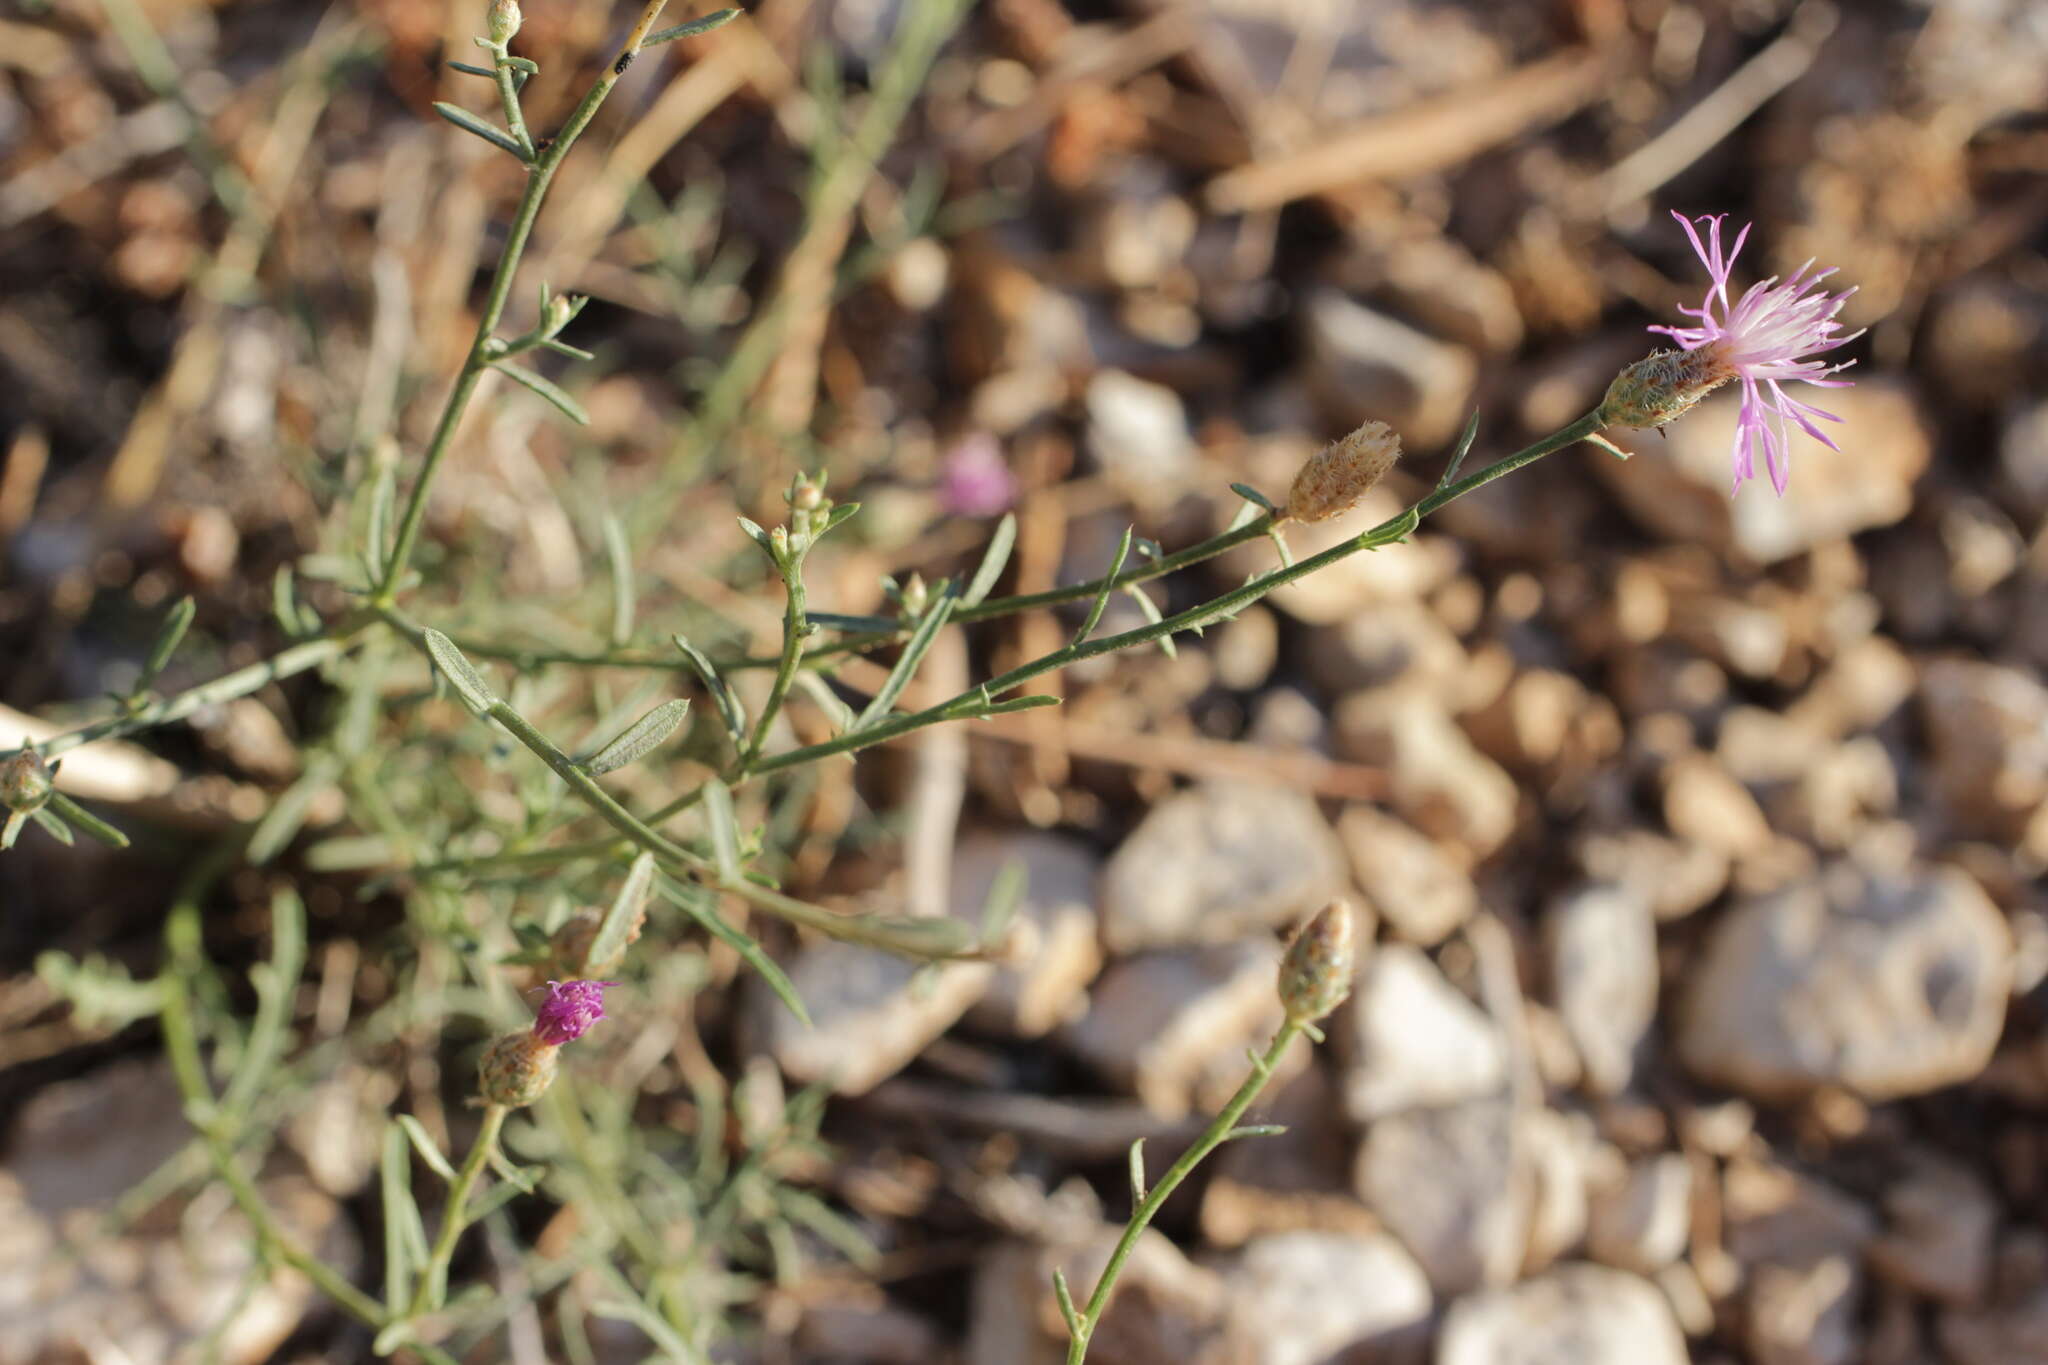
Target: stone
(1172, 1027)
(2023, 458)
(1939, 1242)
(1602, 948)
(1363, 364)
(1439, 782)
(1679, 488)
(1449, 1184)
(1988, 728)
(1138, 432)
(1642, 1222)
(1675, 878)
(1803, 1315)
(1305, 1298)
(1409, 1038)
(871, 1013)
(1218, 861)
(1420, 891)
(1558, 1149)
(1338, 592)
(1885, 984)
(1704, 805)
(1395, 644)
(1775, 1213)
(1574, 1315)
(1043, 980)
(2003, 1336)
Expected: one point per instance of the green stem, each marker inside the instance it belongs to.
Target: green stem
(434, 1275)
(540, 176)
(508, 95)
(1193, 618)
(793, 631)
(1214, 1136)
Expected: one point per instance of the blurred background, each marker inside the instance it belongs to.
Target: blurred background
(1703, 839)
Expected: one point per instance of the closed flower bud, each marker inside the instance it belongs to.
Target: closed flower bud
(1662, 386)
(516, 1069)
(560, 309)
(1339, 475)
(1316, 970)
(504, 21)
(569, 1011)
(24, 782)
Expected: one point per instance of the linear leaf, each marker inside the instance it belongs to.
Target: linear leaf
(424, 1145)
(1151, 609)
(461, 674)
(725, 829)
(1464, 448)
(626, 909)
(640, 738)
(729, 709)
(405, 1232)
(993, 561)
(1251, 494)
(168, 637)
(1015, 704)
(466, 69)
(53, 826)
(1095, 608)
(470, 123)
(697, 904)
(919, 644)
(1005, 895)
(716, 19)
(620, 556)
(84, 821)
(546, 388)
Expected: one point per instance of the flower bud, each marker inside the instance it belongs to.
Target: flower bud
(569, 1011)
(560, 309)
(806, 496)
(24, 782)
(1341, 473)
(916, 595)
(504, 21)
(516, 1069)
(1661, 386)
(1316, 970)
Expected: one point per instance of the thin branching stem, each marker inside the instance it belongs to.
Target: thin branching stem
(434, 1274)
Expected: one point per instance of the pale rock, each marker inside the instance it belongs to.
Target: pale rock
(1602, 946)
(1557, 1149)
(1396, 643)
(1672, 876)
(871, 1013)
(1885, 984)
(1573, 1315)
(2004, 1336)
(1642, 1222)
(1762, 746)
(1138, 432)
(1166, 1310)
(1449, 1184)
(2023, 457)
(1246, 647)
(1774, 1214)
(1839, 795)
(1939, 1243)
(1216, 862)
(1044, 981)
(1292, 1181)
(1988, 728)
(1419, 890)
(1172, 1027)
(1369, 580)
(1410, 1039)
(1866, 683)
(1803, 1315)
(1690, 1306)
(1362, 364)
(1704, 805)
(1440, 783)
(1680, 486)
(1306, 1298)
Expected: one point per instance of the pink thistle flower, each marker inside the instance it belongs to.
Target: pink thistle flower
(974, 480)
(569, 1011)
(1764, 340)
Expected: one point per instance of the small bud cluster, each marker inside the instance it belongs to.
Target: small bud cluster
(1662, 386)
(1338, 476)
(808, 509)
(503, 21)
(25, 783)
(1316, 969)
(517, 1068)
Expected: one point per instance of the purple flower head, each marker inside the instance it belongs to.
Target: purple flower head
(569, 1011)
(1764, 340)
(974, 480)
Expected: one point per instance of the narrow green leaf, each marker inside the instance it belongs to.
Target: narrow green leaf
(424, 1145)
(1015, 704)
(1095, 608)
(383, 502)
(757, 535)
(523, 66)
(1464, 447)
(1251, 494)
(840, 514)
(620, 556)
(1066, 1302)
(729, 709)
(1281, 548)
(640, 738)
(350, 853)
(626, 909)
(914, 650)
(85, 822)
(277, 985)
(466, 69)
(470, 123)
(168, 637)
(1137, 594)
(284, 602)
(405, 1232)
(825, 699)
(1255, 1130)
(469, 684)
(700, 906)
(837, 620)
(993, 561)
(1137, 1162)
(286, 816)
(1398, 530)
(725, 829)
(11, 831)
(493, 1199)
(560, 347)
(52, 826)
(546, 388)
(1005, 895)
(716, 19)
